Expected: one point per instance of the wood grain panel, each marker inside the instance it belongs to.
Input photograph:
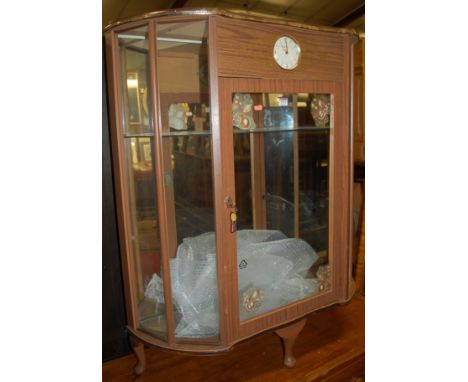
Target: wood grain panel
(359, 103)
(340, 213)
(245, 49)
(348, 84)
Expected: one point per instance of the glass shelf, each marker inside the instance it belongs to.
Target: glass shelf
(237, 131)
(279, 129)
(144, 135)
(185, 133)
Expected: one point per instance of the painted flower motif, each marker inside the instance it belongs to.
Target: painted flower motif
(323, 278)
(320, 109)
(252, 299)
(242, 111)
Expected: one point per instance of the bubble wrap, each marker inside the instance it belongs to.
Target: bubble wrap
(267, 261)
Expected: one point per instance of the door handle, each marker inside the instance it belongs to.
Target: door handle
(233, 214)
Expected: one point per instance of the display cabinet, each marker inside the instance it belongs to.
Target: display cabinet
(231, 142)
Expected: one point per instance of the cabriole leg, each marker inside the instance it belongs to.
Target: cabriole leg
(139, 350)
(288, 335)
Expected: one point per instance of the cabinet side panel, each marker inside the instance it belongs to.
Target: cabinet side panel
(245, 49)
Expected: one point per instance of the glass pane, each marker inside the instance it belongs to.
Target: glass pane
(281, 153)
(141, 181)
(135, 78)
(182, 54)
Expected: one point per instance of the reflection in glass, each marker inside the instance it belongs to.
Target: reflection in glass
(135, 74)
(182, 56)
(281, 155)
(145, 227)
(141, 181)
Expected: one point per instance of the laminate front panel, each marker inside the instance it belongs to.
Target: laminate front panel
(245, 49)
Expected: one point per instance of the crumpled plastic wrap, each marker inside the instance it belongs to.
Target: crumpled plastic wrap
(278, 269)
(272, 271)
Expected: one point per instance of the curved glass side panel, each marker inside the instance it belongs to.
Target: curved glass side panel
(138, 137)
(182, 67)
(281, 156)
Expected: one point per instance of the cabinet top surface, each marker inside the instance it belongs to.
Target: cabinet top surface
(234, 14)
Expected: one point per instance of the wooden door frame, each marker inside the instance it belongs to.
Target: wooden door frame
(338, 227)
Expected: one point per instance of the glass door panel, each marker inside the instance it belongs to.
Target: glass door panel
(140, 168)
(281, 157)
(182, 67)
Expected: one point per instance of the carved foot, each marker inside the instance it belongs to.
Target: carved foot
(288, 335)
(139, 351)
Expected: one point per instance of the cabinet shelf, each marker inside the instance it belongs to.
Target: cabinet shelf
(145, 135)
(236, 131)
(185, 133)
(279, 130)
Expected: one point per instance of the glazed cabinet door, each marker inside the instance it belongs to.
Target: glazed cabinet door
(282, 134)
(187, 165)
(135, 167)
(164, 139)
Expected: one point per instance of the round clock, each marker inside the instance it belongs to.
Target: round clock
(287, 52)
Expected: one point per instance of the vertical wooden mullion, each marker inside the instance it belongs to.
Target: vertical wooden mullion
(160, 189)
(342, 183)
(216, 155)
(223, 163)
(343, 178)
(118, 149)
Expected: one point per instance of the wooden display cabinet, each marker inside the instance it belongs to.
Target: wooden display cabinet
(231, 141)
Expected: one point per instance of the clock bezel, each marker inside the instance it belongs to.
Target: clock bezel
(299, 52)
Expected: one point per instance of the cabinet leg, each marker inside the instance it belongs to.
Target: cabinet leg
(288, 336)
(139, 350)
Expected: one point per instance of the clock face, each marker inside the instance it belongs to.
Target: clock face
(286, 52)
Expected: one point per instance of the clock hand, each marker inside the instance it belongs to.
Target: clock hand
(285, 46)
